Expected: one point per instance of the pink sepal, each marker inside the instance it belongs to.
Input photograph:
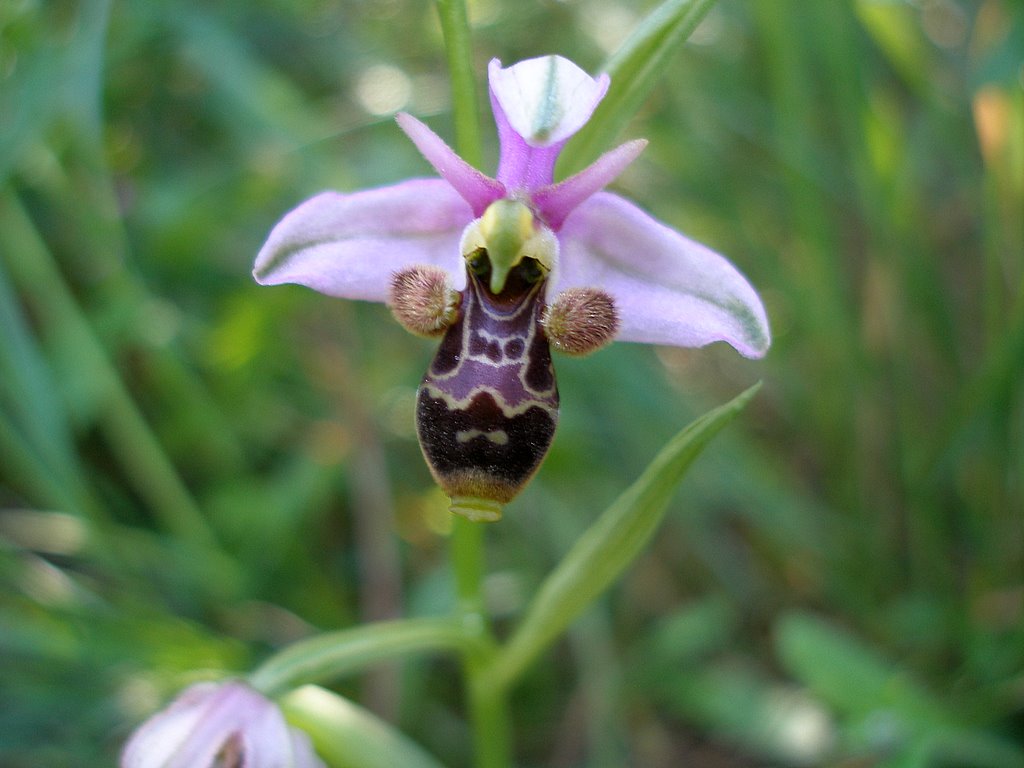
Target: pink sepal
(349, 245)
(668, 289)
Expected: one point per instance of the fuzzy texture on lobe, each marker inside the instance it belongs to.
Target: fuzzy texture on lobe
(423, 301)
(581, 321)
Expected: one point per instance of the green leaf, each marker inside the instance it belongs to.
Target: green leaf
(861, 684)
(605, 550)
(739, 703)
(683, 640)
(332, 654)
(849, 675)
(35, 271)
(635, 68)
(28, 391)
(896, 29)
(348, 736)
(58, 75)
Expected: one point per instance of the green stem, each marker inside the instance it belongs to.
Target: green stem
(467, 551)
(488, 710)
(455, 28)
(491, 733)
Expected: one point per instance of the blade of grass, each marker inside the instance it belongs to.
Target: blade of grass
(24, 470)
(27, 389)
(146, 464)
(634, 68)
(247, 85)
(849, 675)
(859, 682)
(60, 73)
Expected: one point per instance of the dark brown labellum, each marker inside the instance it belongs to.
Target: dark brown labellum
(488, 406)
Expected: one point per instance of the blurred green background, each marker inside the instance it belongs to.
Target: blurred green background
(195, 470)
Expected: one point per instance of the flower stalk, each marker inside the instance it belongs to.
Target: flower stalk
(455, 29)
(488, 708)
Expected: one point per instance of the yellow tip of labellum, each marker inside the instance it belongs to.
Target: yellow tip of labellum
(476, 509)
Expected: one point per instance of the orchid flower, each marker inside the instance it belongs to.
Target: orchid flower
(507, 268)
(219, 725)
